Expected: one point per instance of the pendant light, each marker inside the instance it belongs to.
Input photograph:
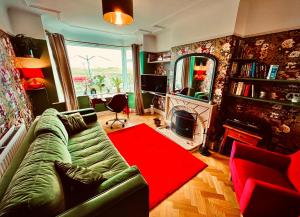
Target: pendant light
(118, 12)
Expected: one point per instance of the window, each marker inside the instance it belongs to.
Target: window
(100, 70)
(129, 75)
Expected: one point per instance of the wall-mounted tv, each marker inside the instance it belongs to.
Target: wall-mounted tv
(154, 83)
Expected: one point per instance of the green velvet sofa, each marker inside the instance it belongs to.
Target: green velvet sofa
(32, 187)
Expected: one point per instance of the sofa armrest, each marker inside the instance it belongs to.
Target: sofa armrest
(122, 195)
(264, 199)
(260, 156)
(89, 115)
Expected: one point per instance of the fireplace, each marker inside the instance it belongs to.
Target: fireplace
(183, 123)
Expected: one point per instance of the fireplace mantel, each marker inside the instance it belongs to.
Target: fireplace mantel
(205, 112)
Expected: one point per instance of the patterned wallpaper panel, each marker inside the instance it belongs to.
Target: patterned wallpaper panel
(222, 48)
(281, 49)
(14, 106)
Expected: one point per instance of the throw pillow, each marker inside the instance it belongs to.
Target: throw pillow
(79, 175)
(79, 183)
(73, 123)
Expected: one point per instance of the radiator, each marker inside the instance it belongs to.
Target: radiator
(9, 145)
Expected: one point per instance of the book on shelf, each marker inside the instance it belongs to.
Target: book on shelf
(247, 89)
(272, 73)
(252, 91)
(239, 88)
(234, 68)
(250, 70)
(242, 89)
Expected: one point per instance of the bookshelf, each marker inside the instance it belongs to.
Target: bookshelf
(249, 79)
(265, 80)
(160, 57)
(271, 101)
(160, 61)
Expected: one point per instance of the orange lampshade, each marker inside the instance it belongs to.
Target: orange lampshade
(32, 73)
(119, 12)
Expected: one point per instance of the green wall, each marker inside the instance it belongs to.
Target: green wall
(147, 100)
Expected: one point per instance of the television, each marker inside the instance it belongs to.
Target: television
(154, 83)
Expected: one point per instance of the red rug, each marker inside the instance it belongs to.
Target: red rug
(165, 165)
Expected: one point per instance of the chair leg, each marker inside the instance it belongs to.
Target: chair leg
(120, 120)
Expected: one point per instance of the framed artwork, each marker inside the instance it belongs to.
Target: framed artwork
(273, 71)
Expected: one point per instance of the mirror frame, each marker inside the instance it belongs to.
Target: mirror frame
(210, 56)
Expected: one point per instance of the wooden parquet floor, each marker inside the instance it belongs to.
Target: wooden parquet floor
(209, 194)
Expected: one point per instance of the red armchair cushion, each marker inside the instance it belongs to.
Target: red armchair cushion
(294, 170)
(242, 170)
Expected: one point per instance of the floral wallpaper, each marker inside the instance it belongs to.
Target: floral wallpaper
(222, 48)
(14, 106)
(281, 49)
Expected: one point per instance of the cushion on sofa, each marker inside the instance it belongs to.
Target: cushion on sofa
(243, 169)
(73, 123)
(49, 122)
(93, 149)
(79, 183)
(36, 189)
(79, 175)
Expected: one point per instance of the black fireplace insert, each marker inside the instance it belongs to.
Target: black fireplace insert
(183, 123)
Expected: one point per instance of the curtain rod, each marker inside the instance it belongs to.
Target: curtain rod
(95, 43)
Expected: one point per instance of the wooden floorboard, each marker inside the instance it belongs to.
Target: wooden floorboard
(209, 194)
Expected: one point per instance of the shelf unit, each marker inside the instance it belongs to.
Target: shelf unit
(270, 101)
(258, 82)
(159, 61)
(265, 80)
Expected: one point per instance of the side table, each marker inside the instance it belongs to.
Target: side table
(239, 135)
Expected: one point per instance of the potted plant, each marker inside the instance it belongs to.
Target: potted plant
(99, 80)
(117, 83)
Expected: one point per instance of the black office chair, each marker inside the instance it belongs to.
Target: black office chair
(117, 105)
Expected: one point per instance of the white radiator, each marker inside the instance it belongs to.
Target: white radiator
(9, 145)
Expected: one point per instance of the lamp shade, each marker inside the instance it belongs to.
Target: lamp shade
(119, 12)
(32, 73)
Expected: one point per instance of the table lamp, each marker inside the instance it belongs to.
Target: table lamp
(33, 75)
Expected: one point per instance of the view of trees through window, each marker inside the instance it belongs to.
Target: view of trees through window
(101, 70)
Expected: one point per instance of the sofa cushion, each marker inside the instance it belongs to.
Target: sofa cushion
(93, 149)
(36, 189)
(49, 122)
(73, 123)
(241, 170)
(79, 183)
(79, 175)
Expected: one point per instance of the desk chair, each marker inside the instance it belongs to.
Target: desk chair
(117, 105)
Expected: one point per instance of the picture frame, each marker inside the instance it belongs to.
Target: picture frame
(273, 71)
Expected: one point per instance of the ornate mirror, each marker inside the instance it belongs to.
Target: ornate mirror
(194, 76)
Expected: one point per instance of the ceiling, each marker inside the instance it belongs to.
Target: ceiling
(150, 16)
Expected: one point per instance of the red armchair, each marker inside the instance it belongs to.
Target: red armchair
(267, 184)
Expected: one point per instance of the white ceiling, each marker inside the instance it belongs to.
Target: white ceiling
(87, 14)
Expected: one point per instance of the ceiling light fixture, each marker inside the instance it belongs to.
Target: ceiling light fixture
(118, 12)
